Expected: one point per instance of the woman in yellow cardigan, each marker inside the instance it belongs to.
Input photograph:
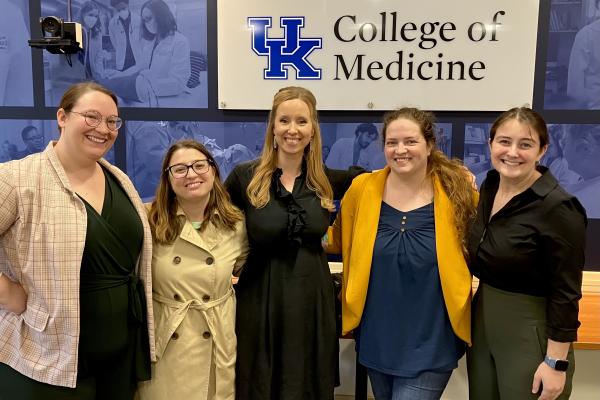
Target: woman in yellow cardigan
(406, 288)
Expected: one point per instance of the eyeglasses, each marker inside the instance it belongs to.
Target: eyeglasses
(179, 171)
(94, 119)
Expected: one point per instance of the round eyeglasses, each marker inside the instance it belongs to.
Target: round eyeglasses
(179, 171)
(94, 119)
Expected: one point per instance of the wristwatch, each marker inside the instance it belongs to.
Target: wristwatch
(559, 365)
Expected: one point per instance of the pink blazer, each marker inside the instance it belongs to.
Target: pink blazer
(42, 235)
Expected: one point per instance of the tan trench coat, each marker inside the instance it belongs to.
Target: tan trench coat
(194, 311)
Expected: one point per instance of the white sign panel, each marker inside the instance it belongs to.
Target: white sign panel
(379, 54)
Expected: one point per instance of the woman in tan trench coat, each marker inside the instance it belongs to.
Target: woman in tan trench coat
(199, 242)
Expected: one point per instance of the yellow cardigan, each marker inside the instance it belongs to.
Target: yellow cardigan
(353, 234)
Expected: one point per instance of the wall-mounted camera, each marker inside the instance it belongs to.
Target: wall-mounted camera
(58, 36)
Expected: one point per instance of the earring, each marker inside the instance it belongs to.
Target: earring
(275, 144)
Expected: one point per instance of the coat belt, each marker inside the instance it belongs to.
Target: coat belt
(179, 311)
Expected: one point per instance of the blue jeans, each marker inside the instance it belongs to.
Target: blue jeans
(426, 386)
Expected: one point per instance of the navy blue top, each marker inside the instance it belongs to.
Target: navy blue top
(405, 328)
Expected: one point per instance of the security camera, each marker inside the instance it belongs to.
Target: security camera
(58, 36)
(51, 26)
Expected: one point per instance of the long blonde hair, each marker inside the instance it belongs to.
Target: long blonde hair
(164, 223)
(258, 188)
(452, 174)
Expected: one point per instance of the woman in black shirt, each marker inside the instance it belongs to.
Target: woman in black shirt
(527, 249)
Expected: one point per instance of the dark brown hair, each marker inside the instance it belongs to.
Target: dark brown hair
(525, 116)
(165, 224)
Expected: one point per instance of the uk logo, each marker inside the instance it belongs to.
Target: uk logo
(290, 51)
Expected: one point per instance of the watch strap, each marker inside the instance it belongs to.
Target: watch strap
(556, 364)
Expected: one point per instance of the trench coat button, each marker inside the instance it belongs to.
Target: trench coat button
(206, 335)
(176, 296)
(210, 260)
(205, 298)
(176, 260)
(175, 336)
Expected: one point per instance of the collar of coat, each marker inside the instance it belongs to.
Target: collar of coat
(207, 239)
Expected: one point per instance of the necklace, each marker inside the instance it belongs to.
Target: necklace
(196, 225)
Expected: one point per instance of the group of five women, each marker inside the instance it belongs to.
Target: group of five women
(94, 285)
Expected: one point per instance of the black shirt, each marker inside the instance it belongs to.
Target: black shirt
(129, 57)
(534, 245)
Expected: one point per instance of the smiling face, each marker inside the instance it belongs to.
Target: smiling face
(293, 127)
(515, 150)
(193, 186)
(80, 139)
(405, 148)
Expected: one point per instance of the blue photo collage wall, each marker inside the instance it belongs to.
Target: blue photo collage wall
(167, 91)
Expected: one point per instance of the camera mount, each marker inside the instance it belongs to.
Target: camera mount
(59, 37)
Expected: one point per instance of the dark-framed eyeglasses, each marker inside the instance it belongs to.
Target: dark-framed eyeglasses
(94, 118)
(179, 171)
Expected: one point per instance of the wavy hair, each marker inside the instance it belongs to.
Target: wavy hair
(164, 222)
(258, 188)
(451, 173)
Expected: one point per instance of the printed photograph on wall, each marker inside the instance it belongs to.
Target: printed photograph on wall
(575, 162)
(151, 53)
(21, 138)
(573, 58)
(16, 87)
(573, 157)
(477, 151)
(361, 144)
(230, 143)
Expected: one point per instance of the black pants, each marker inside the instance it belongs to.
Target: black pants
(105, 361)
(110, 380)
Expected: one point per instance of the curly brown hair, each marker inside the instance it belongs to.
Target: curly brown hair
(452, 174)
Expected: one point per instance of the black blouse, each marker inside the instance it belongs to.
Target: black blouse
(534, 245)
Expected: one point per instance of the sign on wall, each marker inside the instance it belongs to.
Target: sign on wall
(379, 54)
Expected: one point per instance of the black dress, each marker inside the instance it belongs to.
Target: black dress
(113, 353)
(285, 323)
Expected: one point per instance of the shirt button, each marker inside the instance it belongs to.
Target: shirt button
(177, 297)
(176, 260)
(175, 336)
(402, 230)
(205, 298)
(403, 222)
(210, 260)
(404, 217)
(206, 335)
